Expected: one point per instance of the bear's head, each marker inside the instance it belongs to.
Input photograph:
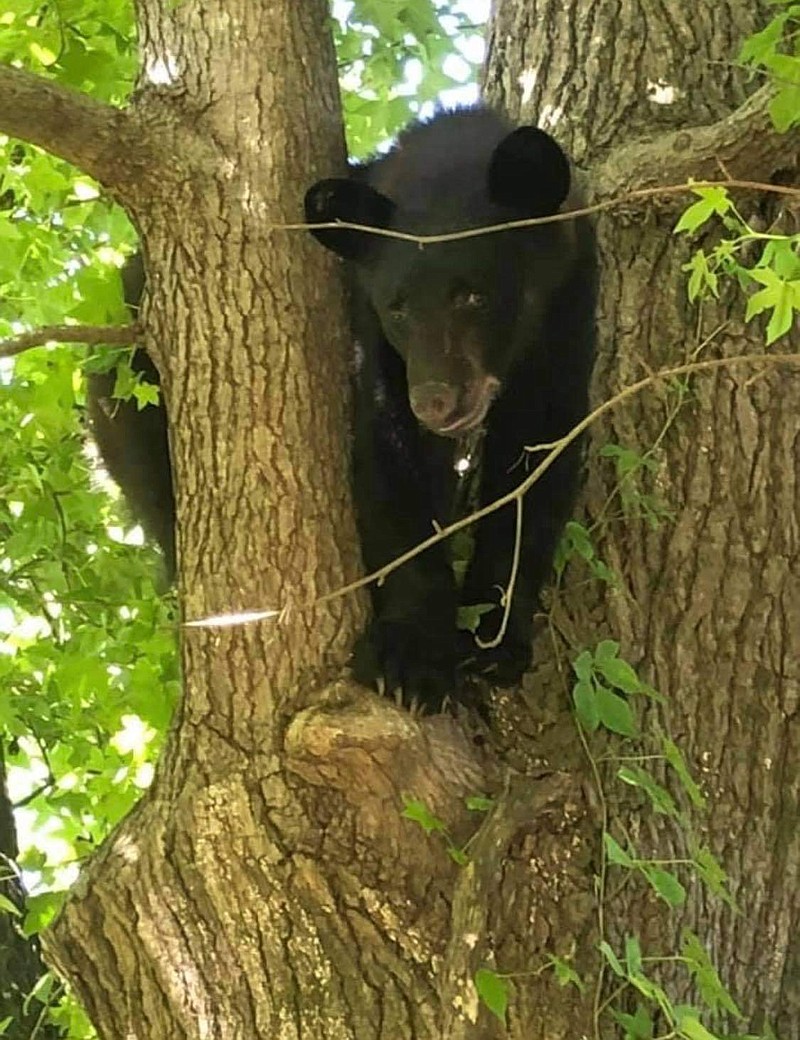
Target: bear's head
(460, 313)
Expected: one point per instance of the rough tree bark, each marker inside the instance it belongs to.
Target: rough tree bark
(267, 886)
(709, 604)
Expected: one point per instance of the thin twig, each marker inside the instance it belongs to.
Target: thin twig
(554, 218)
(107, 335)
(558, 447)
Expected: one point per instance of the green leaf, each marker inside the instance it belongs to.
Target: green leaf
(612, 959)
(675, 758)
(469, 616)
(665, 884)
(649, 989)
(712, 200)
(479, 803)
(660, 798)
(782, 315)
(582, 665)
(493, 992)
(603, 572)
(782, 256)
(146, 394)
(40, 910)
(708, 982)
(586, 708)
(615, 712)
(701, 277)
(566, 974)
(777, 295)
(416, 810)
(712, 874)
(580, 540)
(759, 48)
(638, 1026)
(633, 955)
(692, 1029)
(605, 651)
(619, 673)
(615, 852)
(784, 108)
(6, 906)
(457, 855)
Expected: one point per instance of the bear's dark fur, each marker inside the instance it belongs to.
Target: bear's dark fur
(133, 442)
(478, 346)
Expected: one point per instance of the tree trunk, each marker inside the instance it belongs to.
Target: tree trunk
(267, 885)
(708, 604)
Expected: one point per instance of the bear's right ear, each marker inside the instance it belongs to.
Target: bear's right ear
(529, 172)
(339, 198)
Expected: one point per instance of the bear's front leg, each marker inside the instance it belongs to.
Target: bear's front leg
(410, 645)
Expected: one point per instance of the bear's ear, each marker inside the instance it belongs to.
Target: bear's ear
(339, 198)
(529, 172)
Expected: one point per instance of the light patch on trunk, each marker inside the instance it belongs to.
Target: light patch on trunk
(527, 82)
(551, 116)
(161, 71)
(661, 92)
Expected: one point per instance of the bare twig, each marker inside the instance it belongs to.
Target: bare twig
(618, 202)
(107, 335)
(558, 447)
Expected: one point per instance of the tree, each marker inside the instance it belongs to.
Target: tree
(267, 884)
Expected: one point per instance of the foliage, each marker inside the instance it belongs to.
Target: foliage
(85, 44)
(493, 991)
(764, 261)
(775, 273)
(416, 810)
(397, 57)
(776, 51)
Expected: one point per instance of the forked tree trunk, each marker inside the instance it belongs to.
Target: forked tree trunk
(267, 885)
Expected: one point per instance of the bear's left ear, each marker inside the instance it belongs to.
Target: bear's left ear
(529, 172)
(339, 198)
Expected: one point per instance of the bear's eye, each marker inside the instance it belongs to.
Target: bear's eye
(470, 299)
(398, 310)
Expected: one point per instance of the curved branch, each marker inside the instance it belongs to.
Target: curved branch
(109, 335)
(95, 137)
(743, 146)
(553, 449)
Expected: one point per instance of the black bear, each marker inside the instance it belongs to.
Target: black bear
(466, 352)
(133, 442)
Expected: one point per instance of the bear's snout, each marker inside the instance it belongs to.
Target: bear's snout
(451, 410)
(434, 403)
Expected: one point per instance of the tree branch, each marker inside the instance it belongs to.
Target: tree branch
(97, 138)
(553, 449)
(744, 146)
(110, 335)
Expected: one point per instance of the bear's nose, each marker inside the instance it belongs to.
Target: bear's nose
(433, 403)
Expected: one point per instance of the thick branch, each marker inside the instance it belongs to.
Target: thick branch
(744, 146)
(110, 335)
(97, 138)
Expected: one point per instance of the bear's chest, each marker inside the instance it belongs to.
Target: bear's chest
(453, 471)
